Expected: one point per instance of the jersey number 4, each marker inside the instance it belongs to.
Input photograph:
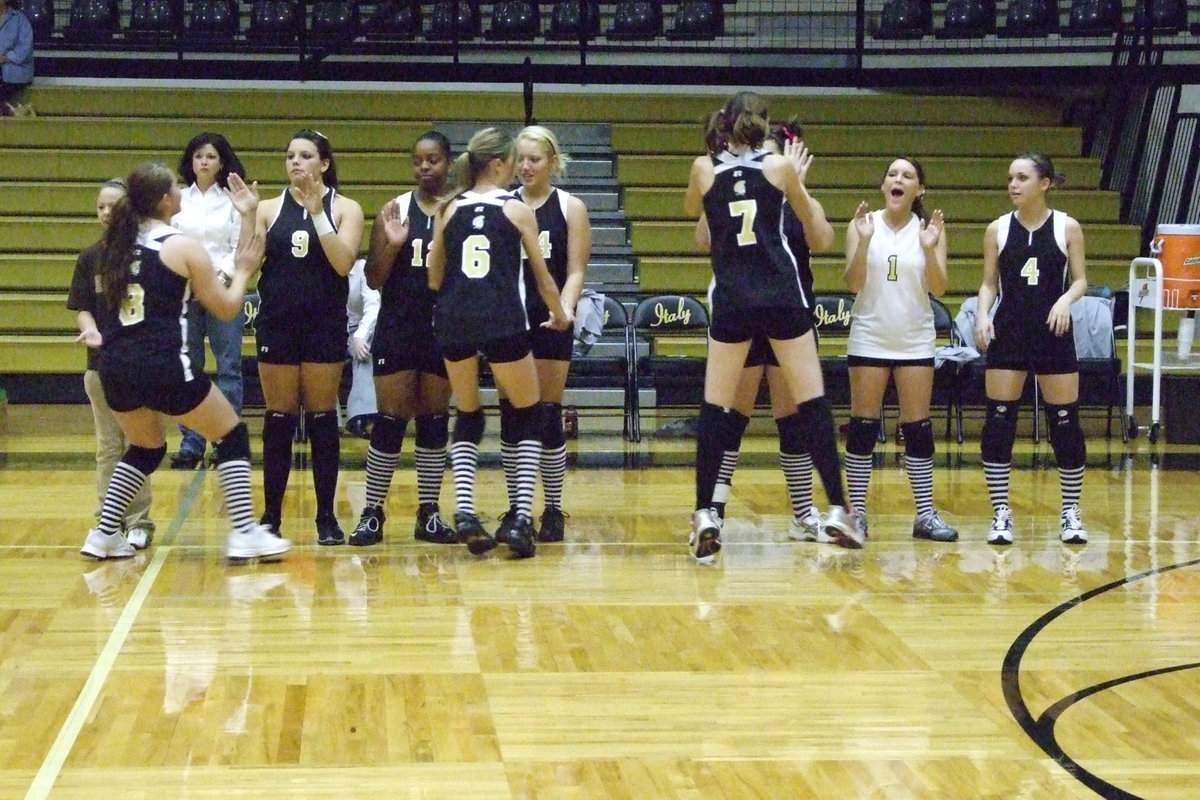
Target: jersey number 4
(747, 210)
(1029, 271)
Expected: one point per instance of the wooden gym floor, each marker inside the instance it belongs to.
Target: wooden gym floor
(611, 666)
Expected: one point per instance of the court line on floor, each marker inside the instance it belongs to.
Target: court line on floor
(56, 757)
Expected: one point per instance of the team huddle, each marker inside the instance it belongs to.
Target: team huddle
(468, 267)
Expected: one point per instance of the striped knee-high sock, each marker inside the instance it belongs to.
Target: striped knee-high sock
(1071, 483)
(125, 483)
(464, 462)
(797, 473)
(920, 478)
(858, 478)
(996, 477)
(234, 477)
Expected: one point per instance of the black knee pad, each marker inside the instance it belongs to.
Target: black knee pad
(553, 435)
(321, 426)
(1066, 435)
(279, 427)
(918, 438)
(144, 459)
(235, 446)
(387, 435)
(791, 436)
(468, 426)
(725, 425)
(862, 435)
(433, 431)
(999, 431)
(522, 424)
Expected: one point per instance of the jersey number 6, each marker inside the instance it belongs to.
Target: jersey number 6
(476, 256)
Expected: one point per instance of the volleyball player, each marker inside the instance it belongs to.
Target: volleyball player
(410, 377)
(148, 271)
(743, 193)
(475, 267)
(565, 238)
(94, 314)
(1033, 264)
(794, 458)
(312, 238)
(895, 257)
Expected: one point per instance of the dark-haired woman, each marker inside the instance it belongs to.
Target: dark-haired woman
(312, 238)
(744, 192)
(207, 213)
(895, 257)
(1033, 263)
(148, 270)
(475, 267)
(410, 377)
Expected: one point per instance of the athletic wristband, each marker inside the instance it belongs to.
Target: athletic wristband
(322, 224)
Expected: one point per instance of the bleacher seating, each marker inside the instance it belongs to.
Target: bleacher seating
(631, 160)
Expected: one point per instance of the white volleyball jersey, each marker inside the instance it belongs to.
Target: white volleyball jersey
(891, 317)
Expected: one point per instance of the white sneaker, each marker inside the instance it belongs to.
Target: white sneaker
(140, 537)
(705, 540)
(1072, 526)
(256, 541)
(807, 528)
(841, 528)
(106, 545)
(1002, 527)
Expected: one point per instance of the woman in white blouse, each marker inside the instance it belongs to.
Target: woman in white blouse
(207, 213)
(362, 310)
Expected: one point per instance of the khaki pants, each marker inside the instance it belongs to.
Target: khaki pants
(110, 446)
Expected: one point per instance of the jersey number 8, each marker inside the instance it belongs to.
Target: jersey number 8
(133, 310)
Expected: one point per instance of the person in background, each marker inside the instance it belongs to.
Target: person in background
(362, 311)
(206, 213)
(16, 59)
(1033, 262)
(94, 314)
(895, 257)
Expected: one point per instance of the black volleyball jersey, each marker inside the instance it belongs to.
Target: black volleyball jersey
(1032, 267)
(148, 336)
(552, 237)
(406, 300)
(793, 233)
(296, 274)
(753, 264)
(482, 293)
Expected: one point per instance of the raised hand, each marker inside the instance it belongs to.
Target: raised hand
(931, 230)
(864, 222)
(795, 151)
(394, 227)
(245, 198)
(308, 193)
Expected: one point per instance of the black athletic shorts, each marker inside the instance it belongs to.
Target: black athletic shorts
(294, 338)
(496, 351)
(393, 352)
(772, 323)
(551, 345)
(889, 363)
(172, 397)
(1038, 351)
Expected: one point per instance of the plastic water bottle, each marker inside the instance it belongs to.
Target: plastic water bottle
(1187, 329)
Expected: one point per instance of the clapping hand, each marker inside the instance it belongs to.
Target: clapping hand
(931, 231)
(864, 221)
